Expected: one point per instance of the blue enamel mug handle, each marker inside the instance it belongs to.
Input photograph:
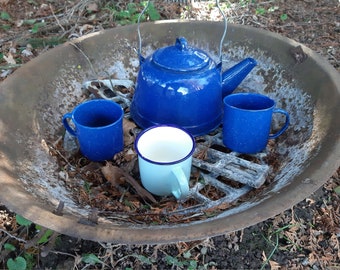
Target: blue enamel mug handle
(181, 187)
(285, 126)
(67, 125)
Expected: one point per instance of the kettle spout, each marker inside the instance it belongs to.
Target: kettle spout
(232, 77)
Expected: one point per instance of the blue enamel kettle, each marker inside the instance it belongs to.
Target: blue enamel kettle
(182, 85)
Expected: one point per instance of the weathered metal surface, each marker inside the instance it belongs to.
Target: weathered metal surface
(222, 163)
(34, 98)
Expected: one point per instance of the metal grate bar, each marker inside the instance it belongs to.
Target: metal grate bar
(205, 203)
(233, 167)
(229, 165)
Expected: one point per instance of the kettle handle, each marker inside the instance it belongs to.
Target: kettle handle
(141, 58)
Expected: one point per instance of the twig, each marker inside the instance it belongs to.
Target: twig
(53, 148)
(11, 66)
(12, 236)
(179, 211)
(56, 18)
(86, 57)
(51, 242)
(32, 242)
(63, 253)
(116, 176)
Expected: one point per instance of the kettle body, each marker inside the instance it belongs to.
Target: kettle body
(192, 100)
(182, 85)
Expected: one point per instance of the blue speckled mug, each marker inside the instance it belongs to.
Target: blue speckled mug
(247, 120)
(98, 126)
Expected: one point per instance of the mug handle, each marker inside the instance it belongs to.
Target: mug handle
(285, 126)
(66, 124)
(181, 188)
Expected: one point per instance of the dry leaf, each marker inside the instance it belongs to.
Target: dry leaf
(264, 256)
(129, 155)
(112, 175)
(222, 206)
(274, 265)
(116, 176)
(93, 7)
(10, 59)
(128, 126)
(27, 51)
(84, 28)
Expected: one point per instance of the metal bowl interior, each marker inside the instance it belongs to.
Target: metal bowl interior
(34, 98)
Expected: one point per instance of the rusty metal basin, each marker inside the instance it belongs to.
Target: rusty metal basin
(34, 98)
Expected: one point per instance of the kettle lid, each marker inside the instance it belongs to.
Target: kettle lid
(180, 57)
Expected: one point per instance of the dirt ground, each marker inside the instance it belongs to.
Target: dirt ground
(304, 237)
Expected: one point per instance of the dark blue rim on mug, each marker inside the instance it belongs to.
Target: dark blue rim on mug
(229, 98)
(73, 116)
(165, 163)
(99, 103)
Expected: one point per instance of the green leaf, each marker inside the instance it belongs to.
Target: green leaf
(153, 13)
(30, 260)
(45, 238)
(5, 27)
(204, 250)
(144, 3)
(90, 259)
(19, 263)
(337, 190)
(9, 247)
(143, 259)
(192, 265)
(260, 11)
(22, 221)
(284, 17)
(29, 22)
(134, 18)
(87, 187)
(187, 254)
(132, 8)
(5, 16)
(36, 27)
(173, 261)
(211, 263)
(125, 14)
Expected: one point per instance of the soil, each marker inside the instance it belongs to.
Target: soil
(304, 237)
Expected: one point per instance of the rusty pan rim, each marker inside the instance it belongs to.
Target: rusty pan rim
(320, 169)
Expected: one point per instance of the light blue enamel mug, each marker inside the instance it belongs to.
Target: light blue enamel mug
(164, 159)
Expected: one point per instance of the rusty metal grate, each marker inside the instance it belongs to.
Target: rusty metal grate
(228, 175)
(226, 172)
(230, 165)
